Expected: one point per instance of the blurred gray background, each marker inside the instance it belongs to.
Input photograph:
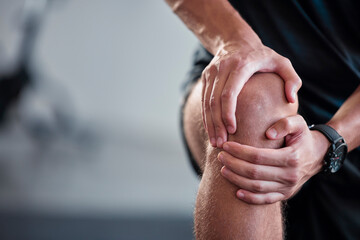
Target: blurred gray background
(91, 148)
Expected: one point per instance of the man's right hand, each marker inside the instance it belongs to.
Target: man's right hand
(238, 53)
(225, 76)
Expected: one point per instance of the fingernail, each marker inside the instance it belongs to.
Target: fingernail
(272, 133)
(240, 194)
(226, 147)
(213, 142)
(219, 142)
(230, 129)
(220, 157)
(224, 171)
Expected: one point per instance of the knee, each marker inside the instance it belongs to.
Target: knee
(260, 104)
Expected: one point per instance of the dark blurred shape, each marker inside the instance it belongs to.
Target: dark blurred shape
(13, 83)
(10, 88)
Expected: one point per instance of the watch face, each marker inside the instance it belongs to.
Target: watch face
(337, 158)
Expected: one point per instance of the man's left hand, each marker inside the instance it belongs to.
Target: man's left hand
(269, 175)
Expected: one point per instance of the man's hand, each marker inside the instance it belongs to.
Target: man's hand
(225, 76)
(270, 175)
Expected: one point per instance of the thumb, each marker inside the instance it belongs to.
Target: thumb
(286, 126)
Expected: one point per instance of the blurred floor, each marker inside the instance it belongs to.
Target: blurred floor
(94, 143)
(60, 228)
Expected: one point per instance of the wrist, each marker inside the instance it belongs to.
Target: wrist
(244, 45)
(237, 38)
(322, 145)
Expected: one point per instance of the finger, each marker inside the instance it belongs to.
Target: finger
(215, 106)
(249, 170)
(259, 156)
(257, 186)
(232, 88)
(292, 125)
(209, 79)
(259, 198)
(291, 78)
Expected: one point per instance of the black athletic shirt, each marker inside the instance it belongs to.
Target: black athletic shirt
(322, 40)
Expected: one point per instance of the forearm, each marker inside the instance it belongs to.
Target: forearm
(214, 22)
(346, 121)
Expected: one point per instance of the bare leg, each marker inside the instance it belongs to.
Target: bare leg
(219, 214)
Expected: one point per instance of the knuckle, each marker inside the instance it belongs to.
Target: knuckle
(258, 186)
(293, 178)
(294, 159)
(299, 82)
(227, 94)
(227, 117)
(286, 61)
(213, 102)
(301, 119)
(212, 69)
(208, 71)
(206, 105)
(204, 74)
(246, 67)
(257, 158)
(268, 200)
(293, 162)
(253, 173)
(238, 62)
(206, 80)
(204, 71)
(223, 64)
(269, 52)
(287, 123)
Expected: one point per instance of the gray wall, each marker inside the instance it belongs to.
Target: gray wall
(112, 70)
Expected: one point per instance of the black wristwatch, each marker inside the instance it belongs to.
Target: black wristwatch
(335, 156)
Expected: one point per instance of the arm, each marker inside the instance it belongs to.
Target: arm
(346, 121)
(294, 164)
(238, 52)
(215, 23)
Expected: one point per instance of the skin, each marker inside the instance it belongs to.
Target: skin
(218, 213)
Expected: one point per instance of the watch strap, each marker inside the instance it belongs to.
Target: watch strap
(331, 134)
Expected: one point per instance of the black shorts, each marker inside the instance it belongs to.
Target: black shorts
(201, 59)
